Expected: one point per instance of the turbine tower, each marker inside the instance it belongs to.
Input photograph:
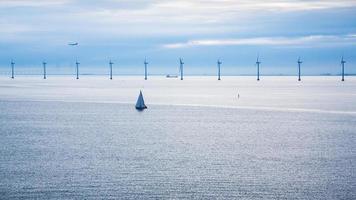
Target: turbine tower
(77, 68)
(181, 68)
(12, 69)
(258, 68)
(219, 64)
(111, 63)
(145, 63)
(299, 63)
(76, 62)
(343, 68)
(44, 70)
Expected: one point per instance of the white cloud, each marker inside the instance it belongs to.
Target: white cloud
(188, 5)
(32, 3)
(169, 18)
(161, 16)
(269, 41)
(246, 5)
(204, 10)
(290, 5)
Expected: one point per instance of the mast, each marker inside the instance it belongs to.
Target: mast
(219, 64)
(44, 70)
(258, 68)
(146, 63)
(77, 68)
(12, 69)
(299, 63)
(343, 68)
(181, 68)
(111, 63)
(76, 62)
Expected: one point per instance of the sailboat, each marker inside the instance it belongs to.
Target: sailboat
(140, 104)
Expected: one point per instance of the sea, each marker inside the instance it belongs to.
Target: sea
(200, 138)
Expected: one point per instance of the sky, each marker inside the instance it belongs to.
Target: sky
(320, 32)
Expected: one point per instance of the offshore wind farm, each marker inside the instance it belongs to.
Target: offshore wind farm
(181, 67)
(177, 99)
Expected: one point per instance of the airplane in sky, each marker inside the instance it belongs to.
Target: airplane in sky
(73, 44)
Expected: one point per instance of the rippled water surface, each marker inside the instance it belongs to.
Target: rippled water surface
(108, 150)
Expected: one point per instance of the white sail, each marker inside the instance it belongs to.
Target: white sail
(140, 104)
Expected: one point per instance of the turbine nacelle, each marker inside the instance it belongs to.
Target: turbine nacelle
(299, 61)
(342, 60)
(181, 61)
(258, 60)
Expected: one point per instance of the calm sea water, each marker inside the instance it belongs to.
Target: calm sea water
(56, 150)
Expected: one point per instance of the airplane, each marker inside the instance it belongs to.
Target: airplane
(73, 44)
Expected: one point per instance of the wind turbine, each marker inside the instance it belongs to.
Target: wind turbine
(343, 68)
(219, 64)
(76, 62)
(111, 63)
(258, 68)
(181, 68)
(12, 69)
(44, 70)
(299, 63)
(145, 63)
(77, 68)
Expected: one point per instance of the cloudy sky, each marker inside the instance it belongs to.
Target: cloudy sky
(199, 31)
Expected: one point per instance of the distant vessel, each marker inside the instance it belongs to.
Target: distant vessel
(140, 104)
(171, 76)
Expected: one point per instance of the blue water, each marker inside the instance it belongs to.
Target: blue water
(56, 150)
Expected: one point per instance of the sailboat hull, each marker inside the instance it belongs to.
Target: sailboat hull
(141, 108)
